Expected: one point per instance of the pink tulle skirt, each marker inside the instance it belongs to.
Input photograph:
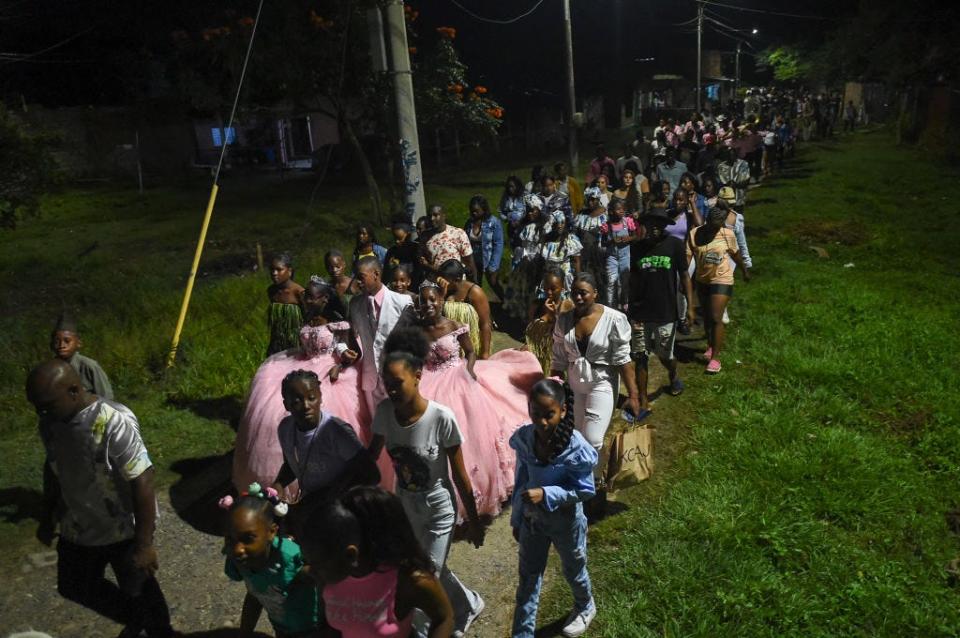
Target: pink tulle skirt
(488, 411)
(258, 456)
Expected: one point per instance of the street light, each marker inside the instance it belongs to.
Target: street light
(755, 31)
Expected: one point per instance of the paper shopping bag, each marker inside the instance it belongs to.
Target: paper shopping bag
(631, 457)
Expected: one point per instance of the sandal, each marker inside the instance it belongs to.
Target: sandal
(713, 367)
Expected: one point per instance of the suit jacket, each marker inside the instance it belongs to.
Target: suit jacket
(372, 338)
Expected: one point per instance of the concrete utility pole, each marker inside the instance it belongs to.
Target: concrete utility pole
(737, 83)
(699, 52)
(406, 113)
(571, 93)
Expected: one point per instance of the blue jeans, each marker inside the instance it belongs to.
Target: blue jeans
(566, 529)
(618, 276)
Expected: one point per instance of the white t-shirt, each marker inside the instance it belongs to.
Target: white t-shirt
(419, 450)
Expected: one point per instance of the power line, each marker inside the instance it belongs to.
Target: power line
(494, 20)
(766, 11)
(15, 57)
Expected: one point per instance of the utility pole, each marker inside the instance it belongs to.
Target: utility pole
(737, 83)
(571, 94)
(699, 52)
(415, 206)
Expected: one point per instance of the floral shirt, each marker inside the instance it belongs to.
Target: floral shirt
(450, 243)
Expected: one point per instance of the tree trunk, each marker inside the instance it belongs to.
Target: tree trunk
(373, 190)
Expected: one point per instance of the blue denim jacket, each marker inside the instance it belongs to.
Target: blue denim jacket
(491, 242)
(566, 480)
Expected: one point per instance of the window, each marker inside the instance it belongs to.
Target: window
(216, 134)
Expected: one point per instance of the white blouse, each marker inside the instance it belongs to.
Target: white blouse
(608, 347)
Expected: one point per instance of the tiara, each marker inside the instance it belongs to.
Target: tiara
(428, 284)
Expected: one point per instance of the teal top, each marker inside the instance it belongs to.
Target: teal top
(291, 607)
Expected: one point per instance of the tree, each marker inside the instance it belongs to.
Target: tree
(27, 170)
(789, 64)
(445, 98)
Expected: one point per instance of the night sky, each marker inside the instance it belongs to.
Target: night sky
(107, 48)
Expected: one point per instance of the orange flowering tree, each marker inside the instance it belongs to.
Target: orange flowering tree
(444, 96)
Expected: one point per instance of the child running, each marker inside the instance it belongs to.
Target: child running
(284, 317)
(372, 570)
(270, 566)
(423, 440)
(65, 342)
(554, 475)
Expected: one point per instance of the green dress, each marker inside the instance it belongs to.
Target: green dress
(284, 321)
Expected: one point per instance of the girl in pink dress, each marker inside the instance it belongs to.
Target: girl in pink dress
(489, 398)
(258, 456)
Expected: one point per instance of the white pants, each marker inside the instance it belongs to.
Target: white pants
(593, 405)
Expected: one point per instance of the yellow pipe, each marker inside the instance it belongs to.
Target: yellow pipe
(171, 357)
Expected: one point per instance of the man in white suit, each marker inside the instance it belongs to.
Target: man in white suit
(373, 315)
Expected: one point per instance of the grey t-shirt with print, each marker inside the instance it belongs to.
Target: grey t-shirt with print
(318, 456)
(95, 456)
(419, 450)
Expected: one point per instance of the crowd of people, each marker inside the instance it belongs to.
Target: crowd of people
(382, 419)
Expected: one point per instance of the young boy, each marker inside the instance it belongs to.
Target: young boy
(98, 484)
(65, 342)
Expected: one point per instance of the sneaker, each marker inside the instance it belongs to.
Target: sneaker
(708, 354)
(471, 617)
(713, 367)
(578, 622)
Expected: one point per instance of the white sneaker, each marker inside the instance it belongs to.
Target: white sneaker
(470, 618)
(578, 623)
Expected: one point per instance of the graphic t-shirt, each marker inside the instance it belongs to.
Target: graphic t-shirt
(419, 450)
(655, 280)
(318, 456)
(291, 607)
(713, 267)
(95, 456)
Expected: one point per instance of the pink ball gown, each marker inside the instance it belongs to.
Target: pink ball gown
(258, 456)
(488, 411)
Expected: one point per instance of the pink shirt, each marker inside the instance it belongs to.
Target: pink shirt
(365, 607)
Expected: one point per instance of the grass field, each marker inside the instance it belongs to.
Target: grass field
(812, 495)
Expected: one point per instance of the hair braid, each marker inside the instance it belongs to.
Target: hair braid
(560, 438)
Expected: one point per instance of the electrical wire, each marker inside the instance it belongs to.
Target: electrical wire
(494, 20)
(766, 11)
(10, 58)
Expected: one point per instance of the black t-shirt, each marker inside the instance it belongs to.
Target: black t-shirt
(655, 280)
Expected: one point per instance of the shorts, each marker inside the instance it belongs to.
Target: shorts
(715, 289)
(652, 338)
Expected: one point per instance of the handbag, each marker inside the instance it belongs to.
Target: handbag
(631, 457)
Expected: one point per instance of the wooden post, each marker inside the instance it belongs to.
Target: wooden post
(259, 257)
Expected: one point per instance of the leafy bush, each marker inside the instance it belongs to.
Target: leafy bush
(27, 170)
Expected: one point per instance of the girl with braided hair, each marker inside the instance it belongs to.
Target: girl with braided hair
(554, 476)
